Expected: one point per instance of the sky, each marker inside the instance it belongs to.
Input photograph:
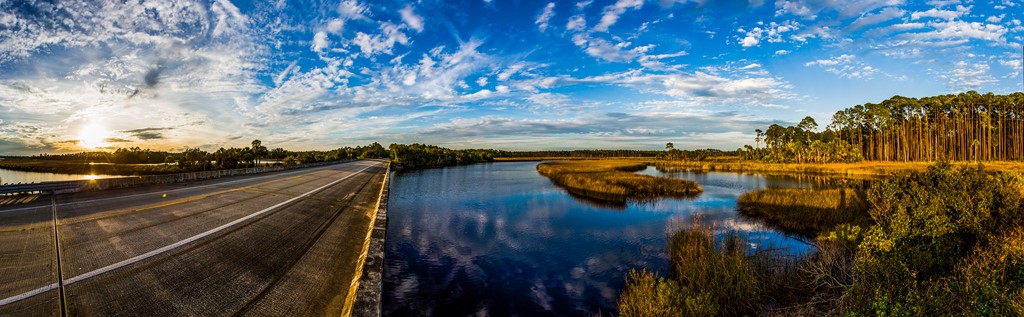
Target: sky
(503, 74)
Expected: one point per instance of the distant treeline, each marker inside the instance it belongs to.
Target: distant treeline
(800, 144)
(672, 153)
(195, 159)
(578, 153)
(418, 156)
(960, 127)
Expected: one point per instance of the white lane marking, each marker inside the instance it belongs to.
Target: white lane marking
(173, 190)
(150, 254)
(28, 294)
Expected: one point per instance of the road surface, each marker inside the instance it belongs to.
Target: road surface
(275, 244)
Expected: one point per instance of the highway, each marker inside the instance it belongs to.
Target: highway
(275, 244)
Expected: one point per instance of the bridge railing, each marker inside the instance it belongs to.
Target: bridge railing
(133, 181)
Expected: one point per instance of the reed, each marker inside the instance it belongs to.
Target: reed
(808, 212)
(614, 180)
(712, 274)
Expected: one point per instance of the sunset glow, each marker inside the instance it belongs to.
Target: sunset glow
(93, 136)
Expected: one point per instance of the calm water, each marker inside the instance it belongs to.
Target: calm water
(14, 177)
(501, 240)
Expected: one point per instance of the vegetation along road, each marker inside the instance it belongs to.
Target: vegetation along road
(273, 244)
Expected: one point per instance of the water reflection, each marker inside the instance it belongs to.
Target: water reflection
(499, 239)
(19, 177)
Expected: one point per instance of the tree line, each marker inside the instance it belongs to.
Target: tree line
(960, 127)
(954, 127)
(418, 156)
(196, 159)
(672, 153)
(800, 144)
(578, 153)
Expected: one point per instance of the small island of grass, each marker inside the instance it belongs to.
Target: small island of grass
(617, 181)
(807, 212)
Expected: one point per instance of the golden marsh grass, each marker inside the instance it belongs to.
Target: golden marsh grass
(806, 211)
(613, 180)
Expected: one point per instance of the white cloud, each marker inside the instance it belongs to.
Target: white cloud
(841, 59)
(482, 81)
(612, 13)
(1014, 65)
(548, 99)
(603, 49)
(772, 32)
(703, 88)
(886, 14)
(411, 19)
(782, 52)
(320, 42)
(335, 26)
(844, 9)
(352, 10)
(749, 41)
(511, 70)
(941, 14)
(845, 66)
(371, 45)
(545, 16)
(292, 68)
(951, 30)
(968, 76)
(576, 23)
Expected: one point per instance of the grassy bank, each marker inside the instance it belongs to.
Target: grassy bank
(613, 180)
(808, 212)
(947, 241)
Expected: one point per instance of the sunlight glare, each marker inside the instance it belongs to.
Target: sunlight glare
(92, 136)
(91, 177)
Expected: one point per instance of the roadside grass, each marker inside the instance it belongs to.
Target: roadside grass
(808, 212)
(614, 180)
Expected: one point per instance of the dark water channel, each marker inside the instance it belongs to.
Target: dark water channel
(500, 240)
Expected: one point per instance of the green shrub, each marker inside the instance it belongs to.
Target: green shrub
(932, 228)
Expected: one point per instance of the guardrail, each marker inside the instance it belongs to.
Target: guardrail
(39, 187)
(132, 181)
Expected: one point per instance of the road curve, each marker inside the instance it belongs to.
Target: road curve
(276, 244)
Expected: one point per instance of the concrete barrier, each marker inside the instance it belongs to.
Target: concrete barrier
(371, 282)
(134, 181)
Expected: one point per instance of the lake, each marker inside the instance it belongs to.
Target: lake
(15, 177)
(499, 239)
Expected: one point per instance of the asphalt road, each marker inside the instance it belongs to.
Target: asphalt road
(276, 244)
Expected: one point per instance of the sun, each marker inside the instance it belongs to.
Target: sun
(93, 136)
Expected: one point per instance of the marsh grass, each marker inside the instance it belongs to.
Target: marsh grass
(860, 169)
(808, 212)
(713, 273)
(614, 181)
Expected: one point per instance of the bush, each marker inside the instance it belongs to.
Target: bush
(932, 228)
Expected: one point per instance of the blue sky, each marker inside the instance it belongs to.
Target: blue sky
(500, 74)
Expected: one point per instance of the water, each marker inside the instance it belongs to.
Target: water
(15, 177)
(501, 240)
